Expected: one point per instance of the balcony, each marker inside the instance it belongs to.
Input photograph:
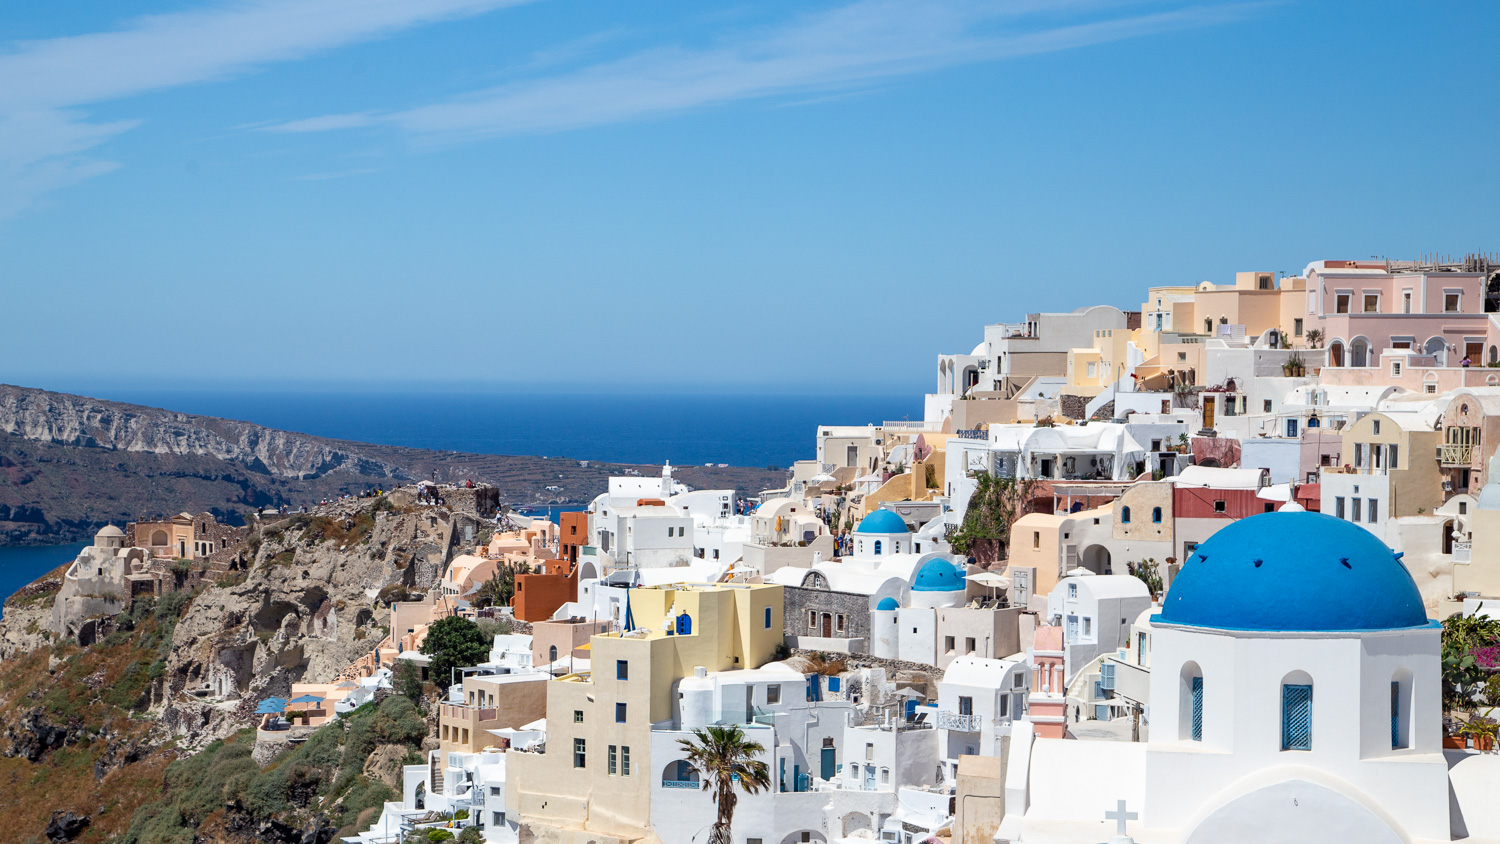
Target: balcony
(958, 722)
(1456, 455)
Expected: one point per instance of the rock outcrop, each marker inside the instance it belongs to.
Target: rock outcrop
(308, 607)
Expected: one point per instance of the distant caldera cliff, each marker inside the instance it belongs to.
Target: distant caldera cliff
(69, 464)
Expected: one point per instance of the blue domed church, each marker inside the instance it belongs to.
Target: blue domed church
(1294, 697)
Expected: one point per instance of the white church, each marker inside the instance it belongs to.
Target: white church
(1295, 698)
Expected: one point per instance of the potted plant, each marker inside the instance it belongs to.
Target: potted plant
(1293, 367)
(1481, 732)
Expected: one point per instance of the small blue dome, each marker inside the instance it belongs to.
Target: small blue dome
(939, 575)
(887, 603)
(882, 521)
(1294, 572)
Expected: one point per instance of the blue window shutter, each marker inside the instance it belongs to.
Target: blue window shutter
(833, 684)
(1296, 717)
(1197, 709)
(1107, 675)
(1395, 714)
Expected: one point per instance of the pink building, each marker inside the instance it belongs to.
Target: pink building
(1047, 706)
(1366, 307)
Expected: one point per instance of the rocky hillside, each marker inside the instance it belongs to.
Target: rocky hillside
(69, 464)
(97, 733)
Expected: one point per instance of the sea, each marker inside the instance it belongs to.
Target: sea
(738, 430)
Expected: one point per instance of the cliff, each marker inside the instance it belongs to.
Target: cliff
(69, 464)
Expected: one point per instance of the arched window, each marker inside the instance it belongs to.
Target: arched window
(1296, 711)
(1156, 515)
(877, 548)
(552, 654)
(1190, 705)
(1124, 515)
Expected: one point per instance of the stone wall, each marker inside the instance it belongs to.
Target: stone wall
(1073, 407)
(798, 602)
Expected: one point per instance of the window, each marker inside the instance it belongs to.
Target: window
(1374, 508)
(1338, 507)
(1197, 693)
(948, 644)
(499, 819)
(773, 693)
(1219, 505)
(1355, 508)
(1375, 426)
(1124, 515)
(968, 644)
(1372, 303)
(1341, 303)
(869, 752)
(1450, 303)
(1396, 715)
(578, 716)
(579, 752)
(1406, 301)
(612, 761)
(885, 775)
(1156, 515)
(625, 760)
(1036, 539)
(1395, 369)
(767, 620)
(1088, 627)
(1359, 455)
(1391, 453)
(838, 622)
(552, 654)
(1004, 706)
(1296, 717)
(877, 548)
(812, 619)
(1072, 590)
(622, 669)
(619, 713)
(1266, 406)
(965, 705)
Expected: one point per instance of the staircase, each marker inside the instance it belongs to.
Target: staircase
(435, 776)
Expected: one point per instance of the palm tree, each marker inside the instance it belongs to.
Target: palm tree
(723, 756)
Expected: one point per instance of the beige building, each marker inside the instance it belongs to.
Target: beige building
(592, 778)
(490, 702)
(1391, 470)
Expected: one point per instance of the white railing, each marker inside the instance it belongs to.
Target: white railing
(957, 721)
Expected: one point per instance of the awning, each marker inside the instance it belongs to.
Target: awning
(271, 706)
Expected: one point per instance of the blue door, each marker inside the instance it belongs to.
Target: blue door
(869, 778)
(1296, 717)
(828, 766)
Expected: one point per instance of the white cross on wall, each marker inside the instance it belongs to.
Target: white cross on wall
(1120, 816)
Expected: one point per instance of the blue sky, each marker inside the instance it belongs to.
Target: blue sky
(815, 196)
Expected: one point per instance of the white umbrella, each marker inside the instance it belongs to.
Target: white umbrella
(821, 479)
(990, 579)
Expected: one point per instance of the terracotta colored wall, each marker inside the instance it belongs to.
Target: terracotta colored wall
(539, 595)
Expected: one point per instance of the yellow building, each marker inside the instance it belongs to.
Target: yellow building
(1107, 360)
(592, 776)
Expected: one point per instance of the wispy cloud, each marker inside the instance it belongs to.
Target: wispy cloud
(45, 137)
(853, 46)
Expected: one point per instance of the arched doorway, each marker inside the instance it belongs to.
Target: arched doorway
(1096, 559)
(1336, 353)
(1438, 348)
(1359, 352)
(1448, 537)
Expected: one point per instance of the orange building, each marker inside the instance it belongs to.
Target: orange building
(572, 535)
(538, 595)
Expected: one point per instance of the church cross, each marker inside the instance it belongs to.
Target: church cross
(1120, 816)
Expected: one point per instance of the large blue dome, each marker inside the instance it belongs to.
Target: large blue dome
(882, 521)
(939, 575)
(1294, 572)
